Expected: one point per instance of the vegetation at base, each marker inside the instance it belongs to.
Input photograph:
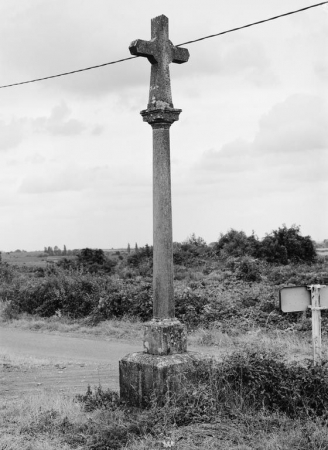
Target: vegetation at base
(251, 377)
(215, 284)
(251, 381)
(253, 399)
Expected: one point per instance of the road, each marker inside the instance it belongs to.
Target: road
(66, 363)
(60, 362)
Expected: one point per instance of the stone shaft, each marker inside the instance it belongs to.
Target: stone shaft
(163, 302)
(163, 296)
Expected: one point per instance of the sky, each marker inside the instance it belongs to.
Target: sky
(249, 152)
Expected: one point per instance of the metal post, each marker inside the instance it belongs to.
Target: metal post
(316, 323)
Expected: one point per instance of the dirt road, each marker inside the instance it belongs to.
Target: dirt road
(58, 362)
(61, 362)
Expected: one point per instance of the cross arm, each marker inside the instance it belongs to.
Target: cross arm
(143, 48)
(180, 55)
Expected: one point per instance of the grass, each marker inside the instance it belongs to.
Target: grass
(296, 345)
(125, 328)
(209, 415)
(22, 362)
(191, 420)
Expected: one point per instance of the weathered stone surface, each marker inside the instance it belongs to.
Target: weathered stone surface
(165, 337)
(166, 359)
(160, 52)
(143, 375)
(160, 116)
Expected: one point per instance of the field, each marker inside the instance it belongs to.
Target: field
(264, 394)
(29, 259)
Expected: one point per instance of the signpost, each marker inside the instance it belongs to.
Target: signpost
(301, 298)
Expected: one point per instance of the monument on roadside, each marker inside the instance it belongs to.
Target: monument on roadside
(165, 357)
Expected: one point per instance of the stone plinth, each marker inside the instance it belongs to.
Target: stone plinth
(165, 337)
(143, 375)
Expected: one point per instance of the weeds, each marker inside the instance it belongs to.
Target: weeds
(254, 399)
(214, 291)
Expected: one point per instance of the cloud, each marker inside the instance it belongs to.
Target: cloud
(103, 179)
(59, 123)
(36, 158)
(298, 124)
(321, 70)
(289, 149)
(12, 133)
(239, 58)
(54, 38)
(97, 130)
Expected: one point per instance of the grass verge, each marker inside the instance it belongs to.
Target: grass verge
(253, 400)
(125, 328)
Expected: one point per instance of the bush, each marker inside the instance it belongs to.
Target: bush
(92, 260)
(142, 259)
(286, 245)
(236, 243)
(245, 268)
(248, 380)
(192, 252)
(264, 380)
(122, 297)
(7, 273)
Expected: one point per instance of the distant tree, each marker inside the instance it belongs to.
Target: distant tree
(57, 251)
(129, 249)
(64, 253)
(325, 243)
(236, 243)
(194, 240)
(136, 248)
(50, 251)
(45, 250)
(94, 260)
(143, 256)
(287, 245)
(192, 251)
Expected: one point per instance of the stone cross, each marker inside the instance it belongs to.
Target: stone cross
(165, 361)
(160, 52)
(160, 114)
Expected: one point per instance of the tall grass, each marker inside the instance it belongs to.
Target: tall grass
(254, 399)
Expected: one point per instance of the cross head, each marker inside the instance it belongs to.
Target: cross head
(160, 52)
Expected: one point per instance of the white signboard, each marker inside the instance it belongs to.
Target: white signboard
(298, 298)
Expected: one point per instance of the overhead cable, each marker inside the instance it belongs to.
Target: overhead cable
(254, 23)
(179, 45)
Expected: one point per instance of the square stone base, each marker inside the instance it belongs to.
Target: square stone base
(142, 375)
(165, 337)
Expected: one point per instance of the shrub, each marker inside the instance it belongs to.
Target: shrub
(73, 294)
(7, 273)
(192, 252)
(122, 297)
(245, 268)
(248, 380)
(92, 260)
(236, 243)
(142, 260)
(99, 399)
(287, 245)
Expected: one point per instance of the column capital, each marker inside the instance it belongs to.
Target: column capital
(160, 116)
